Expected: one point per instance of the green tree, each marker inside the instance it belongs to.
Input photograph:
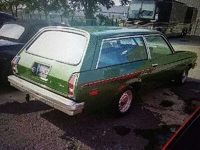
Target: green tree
(43, 6)
(104, 20)
(124, 2)
(65, 8)
(11, 6)
(90, 7)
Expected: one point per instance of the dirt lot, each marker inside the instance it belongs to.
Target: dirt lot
(154, 119)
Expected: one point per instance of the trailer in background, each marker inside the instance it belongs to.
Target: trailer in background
(190, 19)
(168, 16)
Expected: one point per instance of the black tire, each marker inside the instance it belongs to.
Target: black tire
(181, 79)
(123, 103)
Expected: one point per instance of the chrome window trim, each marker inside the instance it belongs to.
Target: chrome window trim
(147, 47)
(122, 37)
(164, 38)
(99, 54)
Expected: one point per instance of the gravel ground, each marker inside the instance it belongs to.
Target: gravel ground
(150, 124)
(38, 126)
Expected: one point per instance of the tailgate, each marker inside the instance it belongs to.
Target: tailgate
(52, 57)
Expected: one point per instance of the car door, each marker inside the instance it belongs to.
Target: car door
(163, 58)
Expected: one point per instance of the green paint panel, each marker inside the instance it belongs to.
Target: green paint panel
(107, 81)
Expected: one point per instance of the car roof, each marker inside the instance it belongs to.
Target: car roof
(27, 23)
(106, 31)
(6, 16)
(116, 31)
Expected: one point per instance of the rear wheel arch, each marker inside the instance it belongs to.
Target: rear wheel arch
(136, 86)
(190, 66)
(134, 83)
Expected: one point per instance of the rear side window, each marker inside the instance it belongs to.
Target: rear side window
(158, 46)
(61, 46)
(119, 51)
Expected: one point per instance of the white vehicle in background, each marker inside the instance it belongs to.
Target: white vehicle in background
(168, 16)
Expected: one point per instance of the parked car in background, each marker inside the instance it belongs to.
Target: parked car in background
(70, 68)
(13, 36)
(5, 18)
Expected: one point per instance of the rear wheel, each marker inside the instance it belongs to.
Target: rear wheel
(123, 102)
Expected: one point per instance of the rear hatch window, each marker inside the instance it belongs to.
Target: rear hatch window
(61, 46)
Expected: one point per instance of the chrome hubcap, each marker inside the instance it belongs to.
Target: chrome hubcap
(125, 101)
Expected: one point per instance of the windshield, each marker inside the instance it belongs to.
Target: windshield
(141, 9)
(12, 31)
(60, 46)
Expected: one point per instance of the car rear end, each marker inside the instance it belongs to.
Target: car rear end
(48, 67)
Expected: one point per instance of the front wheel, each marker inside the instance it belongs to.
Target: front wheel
(123, 102)
(184, 32)
(181, 79)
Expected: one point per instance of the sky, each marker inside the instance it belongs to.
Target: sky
(116, 2)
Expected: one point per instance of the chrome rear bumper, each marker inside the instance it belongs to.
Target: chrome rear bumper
(56, 101)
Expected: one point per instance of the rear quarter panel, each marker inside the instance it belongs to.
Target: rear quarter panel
(188, 59)
(108, 81)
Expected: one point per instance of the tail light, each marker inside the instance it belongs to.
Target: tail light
(71, 85)
(14, 63)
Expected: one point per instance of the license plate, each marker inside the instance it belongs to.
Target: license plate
(43, 70)
(40, 70)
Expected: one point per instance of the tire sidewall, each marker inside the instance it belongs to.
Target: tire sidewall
(115, 106)
(185, 76)
(179, 79)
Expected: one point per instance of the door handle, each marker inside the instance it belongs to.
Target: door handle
(154, 65)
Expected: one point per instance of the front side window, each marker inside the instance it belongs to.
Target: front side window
(158, 46)
(60, 46)
(12, 31)
(119, 51)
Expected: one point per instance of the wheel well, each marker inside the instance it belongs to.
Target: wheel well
(136, 86)
(190, 66)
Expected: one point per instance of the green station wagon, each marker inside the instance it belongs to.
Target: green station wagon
(71, 68)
